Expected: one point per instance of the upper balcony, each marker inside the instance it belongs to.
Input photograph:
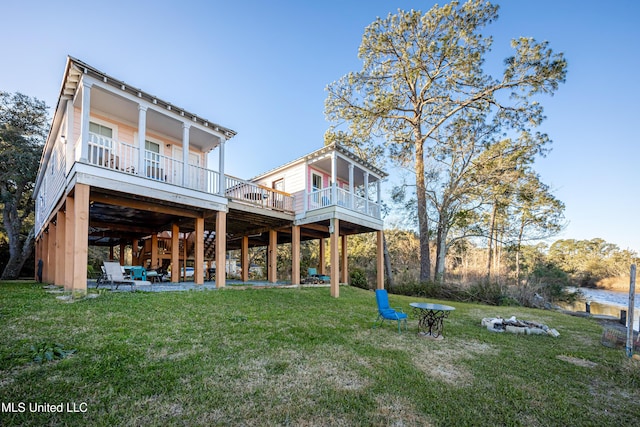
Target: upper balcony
(335, 196)
(124, 157)
(329, 182)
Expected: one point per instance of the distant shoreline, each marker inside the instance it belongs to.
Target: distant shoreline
(616, 284)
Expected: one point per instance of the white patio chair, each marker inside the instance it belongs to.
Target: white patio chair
(115, 276)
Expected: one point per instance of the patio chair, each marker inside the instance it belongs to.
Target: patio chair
(314, 277)
(385, 312)
(113, 275)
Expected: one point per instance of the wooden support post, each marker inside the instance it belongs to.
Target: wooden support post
(123, 246)
(61, 235)
(380, 260)
(199, 255)
(175, 253)
(244, 258)
(344, 264)
(69, 243)
(154, 251)
(81, 238)
(632, 296)
(45, 256)
(221, 248)
(295, 255)
(272, 255)
(334, 230)
(51, 254)
(321, 262)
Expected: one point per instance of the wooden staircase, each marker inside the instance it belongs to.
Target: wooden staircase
(209, 244)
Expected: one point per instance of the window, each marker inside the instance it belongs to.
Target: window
(152, 160)
(152, 146)
(101, 130)
(52, 162)
(278, 198)
(100, 144)
(316, 181)
(278, 184)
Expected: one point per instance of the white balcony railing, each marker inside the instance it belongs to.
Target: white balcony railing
(258, 195)
(317, 199)
(123, 157)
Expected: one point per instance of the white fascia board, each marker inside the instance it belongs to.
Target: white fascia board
(135, 185)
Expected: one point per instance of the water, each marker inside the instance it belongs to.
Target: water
(606, 302)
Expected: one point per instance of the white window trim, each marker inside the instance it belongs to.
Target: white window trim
(110, 125)
(313, 175)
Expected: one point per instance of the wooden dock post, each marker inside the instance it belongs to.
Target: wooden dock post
(632, 295)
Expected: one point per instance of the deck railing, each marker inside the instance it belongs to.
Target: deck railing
(257, 195)
(115, 155)
(120, 156)
(322, 198)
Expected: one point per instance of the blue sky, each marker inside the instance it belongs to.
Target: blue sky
(261, 67)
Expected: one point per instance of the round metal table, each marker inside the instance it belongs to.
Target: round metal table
(431, 317)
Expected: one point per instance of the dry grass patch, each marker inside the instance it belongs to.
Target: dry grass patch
(398, 411)
(300, 373)
(440, 360)
(578, 362)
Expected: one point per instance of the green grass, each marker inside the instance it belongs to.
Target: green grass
(300, 357)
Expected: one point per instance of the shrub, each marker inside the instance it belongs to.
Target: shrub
(358, 278)
(487, 292)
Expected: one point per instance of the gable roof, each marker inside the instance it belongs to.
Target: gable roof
(323, 151)
(76, 67)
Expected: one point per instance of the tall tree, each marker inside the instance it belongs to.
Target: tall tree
(422, 71)
(588, 261)
(23, 130)
(537, 213)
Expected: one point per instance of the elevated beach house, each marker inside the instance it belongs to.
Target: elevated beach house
(124, 168)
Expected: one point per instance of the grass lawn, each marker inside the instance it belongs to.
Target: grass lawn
(299, 357)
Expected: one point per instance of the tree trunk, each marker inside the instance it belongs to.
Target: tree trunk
(497, 259)
(518, 247)
(492, 225)
(387, 262)
(19, 251)
(423, 219)
(441, 251)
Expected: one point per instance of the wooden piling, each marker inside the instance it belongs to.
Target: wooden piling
(632, 295)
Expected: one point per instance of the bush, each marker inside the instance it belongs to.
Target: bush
(550, 281)
(358, 278)
(486, 292)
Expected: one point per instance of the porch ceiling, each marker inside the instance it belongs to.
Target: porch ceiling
(116, 218)
(122, 109)
(242, 223)
(342, 170)
(119, 218)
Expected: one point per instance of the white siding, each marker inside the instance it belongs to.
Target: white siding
(293, 183)
(52, 184)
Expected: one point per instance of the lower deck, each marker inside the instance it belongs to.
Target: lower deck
(160, 232)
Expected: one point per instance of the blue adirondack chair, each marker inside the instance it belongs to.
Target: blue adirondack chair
(314, 277)
(385, 312)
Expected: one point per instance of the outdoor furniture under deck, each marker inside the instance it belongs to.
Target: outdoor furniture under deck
(431, 317)
(114, 275)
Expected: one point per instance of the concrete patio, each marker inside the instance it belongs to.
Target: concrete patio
(146, 286)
